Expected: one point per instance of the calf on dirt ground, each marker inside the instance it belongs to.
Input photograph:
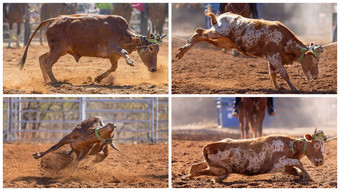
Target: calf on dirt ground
(90, 137)
(270, 40)
(268, 154)
(103, 36)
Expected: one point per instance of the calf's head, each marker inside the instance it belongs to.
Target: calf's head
(309, 59)
(106, 134)
(315, 147)
(149, 50)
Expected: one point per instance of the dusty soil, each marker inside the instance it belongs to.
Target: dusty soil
(207, 70)
(78, 78)
(187, 149)
(135, 166)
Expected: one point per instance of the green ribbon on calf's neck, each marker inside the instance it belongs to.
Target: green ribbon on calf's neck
(304, 146)
(98, 136)
(316, 49)
(141, 51)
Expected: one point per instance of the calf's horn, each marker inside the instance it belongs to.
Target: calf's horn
(114, 146)
(148, 35)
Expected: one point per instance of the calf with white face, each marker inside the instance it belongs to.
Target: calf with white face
(268, 154)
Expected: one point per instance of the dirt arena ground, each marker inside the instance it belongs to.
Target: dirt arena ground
(208, 70)
(78, 78)
(187, 149)
(135, 166)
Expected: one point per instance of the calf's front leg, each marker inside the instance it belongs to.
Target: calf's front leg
(287, 164)
(275, 64)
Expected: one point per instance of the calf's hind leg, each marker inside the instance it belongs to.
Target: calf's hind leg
(46, 62)
(209, 171)
(196, 167)
(63, 141)
(198, 36)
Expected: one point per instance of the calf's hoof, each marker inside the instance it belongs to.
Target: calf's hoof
(130, 62)
(36, 155)
(98, 79)
(185, 177)
(179, 54)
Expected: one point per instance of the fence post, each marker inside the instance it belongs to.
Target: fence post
(153, 119)
(8, 118)
(83, 108)
(157, 118)
(19, 118)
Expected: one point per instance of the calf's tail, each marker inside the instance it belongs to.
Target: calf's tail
(23, 59)
(211, 163)
(211, 15)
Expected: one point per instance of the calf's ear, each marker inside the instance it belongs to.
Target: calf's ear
(308, 137)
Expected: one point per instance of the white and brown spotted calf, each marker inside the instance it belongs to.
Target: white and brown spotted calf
(258, 156)
(270, 40)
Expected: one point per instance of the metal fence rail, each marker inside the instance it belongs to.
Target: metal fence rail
(49, 119)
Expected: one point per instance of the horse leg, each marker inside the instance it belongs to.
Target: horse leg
(18, 34)
(10, 33)
(242, 125)
(252, 124)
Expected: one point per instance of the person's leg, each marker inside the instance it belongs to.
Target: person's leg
(270, 106)
(236, 110)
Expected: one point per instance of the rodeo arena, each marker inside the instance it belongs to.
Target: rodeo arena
(208, 152)
(85, 142)
(37, 36)
(256, 48)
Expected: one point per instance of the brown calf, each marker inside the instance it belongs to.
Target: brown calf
(51, 10)
(260, 155)
(84, 141)
(103, 36)
(270, 40)
(252, 113)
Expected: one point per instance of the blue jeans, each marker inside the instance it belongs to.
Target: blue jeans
(105, 12)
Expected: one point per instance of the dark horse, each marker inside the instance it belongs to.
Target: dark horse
(16, 14)
(244, 9)
(157, 18)
(252, 113)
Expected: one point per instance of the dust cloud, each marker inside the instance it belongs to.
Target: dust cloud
(310, 20)
(291, 113)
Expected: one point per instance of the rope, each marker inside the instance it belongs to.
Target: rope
(179, 38)
(152, 44)
(146, 132)
(329, 44)
(331, 138)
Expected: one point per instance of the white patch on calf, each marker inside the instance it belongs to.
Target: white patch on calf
(274, 36)
(283, 162)
(289, 45)
(236, 157)
(277, 146)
